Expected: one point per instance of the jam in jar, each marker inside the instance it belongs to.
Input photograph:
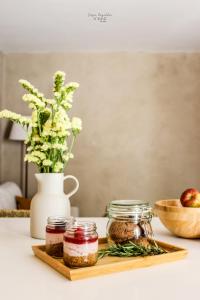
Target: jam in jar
(55, 230)
(80, 244)
(129, 220)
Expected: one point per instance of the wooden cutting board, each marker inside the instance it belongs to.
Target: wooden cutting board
(110, 264)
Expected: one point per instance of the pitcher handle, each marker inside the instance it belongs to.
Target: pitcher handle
(76, 187)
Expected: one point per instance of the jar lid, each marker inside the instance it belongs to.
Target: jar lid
(59, 220)
(129, 208)
(85, 226)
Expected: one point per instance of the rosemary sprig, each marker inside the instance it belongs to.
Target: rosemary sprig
(130, 249)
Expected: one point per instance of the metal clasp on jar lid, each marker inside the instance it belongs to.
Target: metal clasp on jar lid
(85, 226)
(135, 209)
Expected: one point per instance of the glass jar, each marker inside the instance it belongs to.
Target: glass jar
(55, 230)
(129, 220)
(80, 244)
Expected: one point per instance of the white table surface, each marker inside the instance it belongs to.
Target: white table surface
(23, 276)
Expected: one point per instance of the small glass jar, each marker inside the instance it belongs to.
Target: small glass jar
(55, 230)
(80, 244)
(129, 220)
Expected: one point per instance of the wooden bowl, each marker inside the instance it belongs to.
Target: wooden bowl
(181, 221)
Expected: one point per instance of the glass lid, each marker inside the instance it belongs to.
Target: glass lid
(128, 208)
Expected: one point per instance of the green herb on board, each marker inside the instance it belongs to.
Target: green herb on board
(130, 249)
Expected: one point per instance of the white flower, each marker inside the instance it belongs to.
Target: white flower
(29, 148)
(34, 118)
(58, 166)
(59, 146)
(63, 134)
(67, 156)
(69, 97)
(26, 83)
(50, 101)
(57, 94)
(74, 85)
(6, 114)
(36, 138)
(31, 89)
(31, 158)
(60, 74)
(47, 162)
(32, 106)
(39, 154)
(66, 105)
(45, 146)
(55, 106)
(34, 100)
(49, 126)
(76, 125)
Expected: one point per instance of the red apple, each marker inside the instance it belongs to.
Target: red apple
(190, 198)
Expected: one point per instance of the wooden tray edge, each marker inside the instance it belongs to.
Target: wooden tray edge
(52, 262)
(176, 253)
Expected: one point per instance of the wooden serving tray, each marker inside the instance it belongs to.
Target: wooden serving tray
(110, 264)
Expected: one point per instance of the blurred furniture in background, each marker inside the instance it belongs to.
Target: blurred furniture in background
(14, 213)
(23, 203)
(13, 204)
(18, 133)
(8, 204)
(8, 192)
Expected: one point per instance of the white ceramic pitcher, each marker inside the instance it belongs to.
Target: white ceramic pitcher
(50, 200)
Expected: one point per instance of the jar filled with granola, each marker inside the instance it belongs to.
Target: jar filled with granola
(129, 220)
(55, 230)
(80, 244)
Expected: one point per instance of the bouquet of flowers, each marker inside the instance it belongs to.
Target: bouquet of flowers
(50, 132)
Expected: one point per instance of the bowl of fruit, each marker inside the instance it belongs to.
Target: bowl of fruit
(181, 216)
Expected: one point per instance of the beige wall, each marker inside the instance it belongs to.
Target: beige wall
(140, 112)
(1, 98)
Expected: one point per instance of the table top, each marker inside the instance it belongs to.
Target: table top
(23, 276)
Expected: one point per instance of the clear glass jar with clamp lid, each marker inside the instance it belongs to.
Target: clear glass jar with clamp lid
(129, 220)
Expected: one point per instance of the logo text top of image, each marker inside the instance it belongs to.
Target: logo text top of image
(100, 17)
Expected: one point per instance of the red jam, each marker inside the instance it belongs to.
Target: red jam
(80, 245)
(79, 237)
(56, 229)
